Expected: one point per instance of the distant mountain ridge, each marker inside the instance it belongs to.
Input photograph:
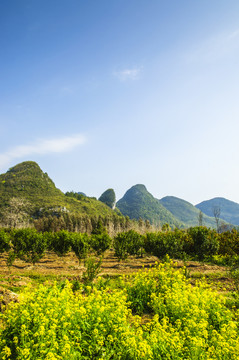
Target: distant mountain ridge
(186, 212)
(26, 181)
(139, 203)
(229, 210)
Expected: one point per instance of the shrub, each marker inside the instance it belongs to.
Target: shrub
(28, 245)
(229, 243)
(61, 242)
(4, 241)
(127, 243)
(80, 244)
(100, 243)
(164, 243)
(205, 241)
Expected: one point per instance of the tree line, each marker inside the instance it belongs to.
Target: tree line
(198, 243)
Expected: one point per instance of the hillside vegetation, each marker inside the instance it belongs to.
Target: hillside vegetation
(185, 212)
(28, 196)
(229, 210)
(139, 203)
(37, 195)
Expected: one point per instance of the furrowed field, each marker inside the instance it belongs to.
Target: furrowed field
(81, 299)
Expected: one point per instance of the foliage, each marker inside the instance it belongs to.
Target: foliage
(61, 242)
(127, 243)
(187, 322)
(108, 198)
(28, 245)
(26, 181)
(229, 210)
(198, 242)
(99, 228)
(80, 245)
(120, 244)
(185, 212)
(139, 203)
(93, 267)
(161, 243)
(229, 242)
(100, 243)
(205, 241)
(75, 195)
(4, 241)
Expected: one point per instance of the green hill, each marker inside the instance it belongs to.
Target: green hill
(26, 181)
(185, 212)
(229, 210)
(139, 203)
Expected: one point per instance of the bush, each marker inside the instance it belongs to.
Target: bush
(80, 244)
(164, 243)
(205, 241)
(4, 241)
(229, 242)
(61, 242)
(100, 243)
(127, 243)
(27, 245)
(120, 244)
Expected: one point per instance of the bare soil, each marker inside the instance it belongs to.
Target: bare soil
(53, 266)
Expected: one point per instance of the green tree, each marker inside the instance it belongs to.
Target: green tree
(100, 242)
(80, 244)
(205, 241)
(4, 241)
(28, 245)
(61, 242)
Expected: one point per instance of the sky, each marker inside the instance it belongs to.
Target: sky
(112, 93)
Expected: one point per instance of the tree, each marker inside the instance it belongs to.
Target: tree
(80, 244)
(61, 242)
(4, 241)
(166, 227)
(216, 212)
(28, 245)
(108, 198)
(200, 218)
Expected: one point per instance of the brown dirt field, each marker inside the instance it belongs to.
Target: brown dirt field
(69, 266)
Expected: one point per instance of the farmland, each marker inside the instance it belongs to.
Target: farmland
(135, 307)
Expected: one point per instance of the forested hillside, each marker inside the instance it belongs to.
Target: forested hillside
(28, 197)
(227, 210)
(139, 203)
(186, 213)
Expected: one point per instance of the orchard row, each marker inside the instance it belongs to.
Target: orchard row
(197, 242)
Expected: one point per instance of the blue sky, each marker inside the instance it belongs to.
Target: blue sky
(109, 94)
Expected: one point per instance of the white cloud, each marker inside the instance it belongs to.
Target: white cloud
(128, 74)
(42, 147)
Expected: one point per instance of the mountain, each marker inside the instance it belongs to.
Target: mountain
(108, 197)
(26, 181)
(139, 203)
(229, 210)
(185, 212)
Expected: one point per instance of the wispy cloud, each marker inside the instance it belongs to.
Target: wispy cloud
(42, 147)
(215, 47)
(128, 74)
